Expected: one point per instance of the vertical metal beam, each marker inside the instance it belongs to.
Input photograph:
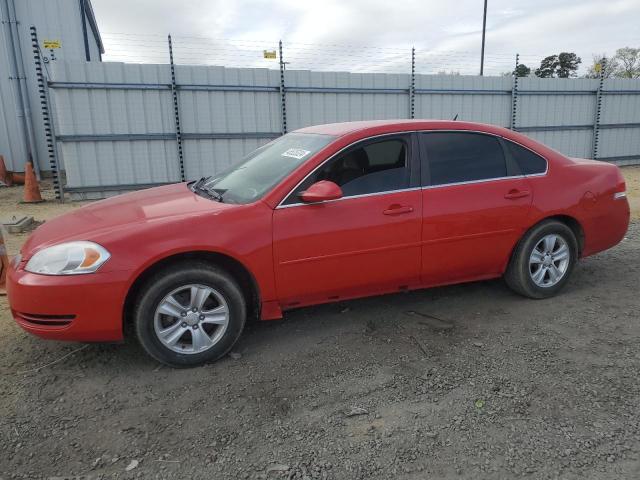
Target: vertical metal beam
(514, 96)
(46, 117)
(412, 88)
(176, 111)
(83, 19)
(598, 112)
(23, 105)
(484, 31)
(283, 93)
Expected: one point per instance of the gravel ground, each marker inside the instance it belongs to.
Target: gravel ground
(469, 381)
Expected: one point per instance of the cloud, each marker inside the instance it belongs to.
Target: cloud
(534, 29)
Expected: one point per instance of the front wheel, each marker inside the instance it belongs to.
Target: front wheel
(189, 314)
(543, 260)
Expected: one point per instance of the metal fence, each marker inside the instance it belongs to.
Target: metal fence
(121, 126)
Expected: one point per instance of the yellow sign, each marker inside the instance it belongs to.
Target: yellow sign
(269, 54)
(51, 44)
(597, 67)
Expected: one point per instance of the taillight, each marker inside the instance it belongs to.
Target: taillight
(619, 195)
(621, 186)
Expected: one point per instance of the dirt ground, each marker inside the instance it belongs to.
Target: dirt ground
(469, 381)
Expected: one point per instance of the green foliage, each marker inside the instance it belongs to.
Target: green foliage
(522, 70)
(624, 64)
(563, 65)
(600, 62)
(629, 62)
(548, 66)
(568, 64)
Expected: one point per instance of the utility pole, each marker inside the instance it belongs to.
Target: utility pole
(484, 31)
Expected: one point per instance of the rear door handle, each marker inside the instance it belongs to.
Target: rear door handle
(515, 193)
(398, 209)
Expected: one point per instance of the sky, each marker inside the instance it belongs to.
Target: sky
(366, 35)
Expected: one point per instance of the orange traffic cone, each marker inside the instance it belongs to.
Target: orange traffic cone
(17, 178)
(31, 188)
(4, 265)
(5, 177)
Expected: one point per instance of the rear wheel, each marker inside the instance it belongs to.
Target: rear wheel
(189, 315)
(543, 260)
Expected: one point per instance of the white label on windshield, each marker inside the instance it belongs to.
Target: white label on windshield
(296, 153)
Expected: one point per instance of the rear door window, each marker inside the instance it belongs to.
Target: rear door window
(456, 157)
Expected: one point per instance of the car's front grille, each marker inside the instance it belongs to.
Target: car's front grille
(45, 320)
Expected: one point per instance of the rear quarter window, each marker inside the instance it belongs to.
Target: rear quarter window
(530, 163)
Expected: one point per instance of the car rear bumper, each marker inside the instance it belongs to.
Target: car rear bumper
(85, 308)
(606, 226)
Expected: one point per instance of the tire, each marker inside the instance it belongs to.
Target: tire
(523, 274)
(181, 305)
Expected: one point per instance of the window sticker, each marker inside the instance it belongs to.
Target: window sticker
(296, 153)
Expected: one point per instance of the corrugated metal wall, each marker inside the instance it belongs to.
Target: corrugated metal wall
(621, 106)
(477, 99)
(55, 20)
(116, 125)
(103, 116)
(559, 113)
(212, 115)
(324, 97)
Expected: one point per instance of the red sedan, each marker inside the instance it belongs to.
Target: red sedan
(326, 213)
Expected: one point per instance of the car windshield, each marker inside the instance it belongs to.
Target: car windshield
(264, 168)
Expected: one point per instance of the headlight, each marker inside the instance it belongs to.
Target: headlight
(68, 259)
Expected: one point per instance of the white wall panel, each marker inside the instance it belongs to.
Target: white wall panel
(227, 112)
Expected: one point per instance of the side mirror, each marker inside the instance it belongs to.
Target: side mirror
(321, 191)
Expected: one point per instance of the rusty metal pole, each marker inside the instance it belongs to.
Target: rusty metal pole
(176, 111)
(46, 116)
(283, 93)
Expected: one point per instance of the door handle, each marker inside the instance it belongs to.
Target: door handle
(515, 193)
(398, 209)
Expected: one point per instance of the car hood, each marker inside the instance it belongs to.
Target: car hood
(159, 204)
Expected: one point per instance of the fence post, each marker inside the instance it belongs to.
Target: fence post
(283, 94)
(49, 131)
(412, 88)
(176, 111)
(514, 96)
(596, 121)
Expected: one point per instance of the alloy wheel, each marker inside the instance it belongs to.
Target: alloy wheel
(191, 319)
(549, 260)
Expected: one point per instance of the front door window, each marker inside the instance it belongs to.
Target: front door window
(376, 167)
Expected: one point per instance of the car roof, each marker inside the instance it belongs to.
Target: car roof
(381, 126)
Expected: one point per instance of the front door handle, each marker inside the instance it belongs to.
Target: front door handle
(398, 209)
(515, 193)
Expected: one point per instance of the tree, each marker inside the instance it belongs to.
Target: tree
(611, 66)
(548, 67)
(629, 59)
(568, 65)
(522, 70)
(563, 65)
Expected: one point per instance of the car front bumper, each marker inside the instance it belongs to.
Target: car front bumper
(85, 308)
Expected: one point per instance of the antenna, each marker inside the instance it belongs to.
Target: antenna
(455, 118)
